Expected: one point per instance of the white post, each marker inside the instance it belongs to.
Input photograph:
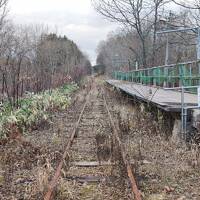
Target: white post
(198, 45)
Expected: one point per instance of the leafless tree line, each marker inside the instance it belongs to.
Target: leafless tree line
(33, 59)
(137, 43)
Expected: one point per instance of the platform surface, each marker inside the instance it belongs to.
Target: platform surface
(168, 100)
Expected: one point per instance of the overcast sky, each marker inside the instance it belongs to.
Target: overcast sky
(75, 18)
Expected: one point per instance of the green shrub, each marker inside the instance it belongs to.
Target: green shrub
(35, 108)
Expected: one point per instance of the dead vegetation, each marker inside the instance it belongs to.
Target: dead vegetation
(27, 162)
(104, 147)
(165, 169)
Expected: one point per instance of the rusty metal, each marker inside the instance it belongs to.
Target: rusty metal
(54, 180)
(134, 187)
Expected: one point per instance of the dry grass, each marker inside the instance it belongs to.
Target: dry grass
(42, 175)
(165, 169)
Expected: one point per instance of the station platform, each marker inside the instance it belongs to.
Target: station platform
(168, 100)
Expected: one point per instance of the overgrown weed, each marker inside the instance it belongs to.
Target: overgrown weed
(34, 109)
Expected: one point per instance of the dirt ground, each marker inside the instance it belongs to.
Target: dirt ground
(165, 169)
(26, 167)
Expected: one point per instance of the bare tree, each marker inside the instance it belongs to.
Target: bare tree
(31, 59)
(3, 11)
(140, 15)
(194, 4)
(119, 52)
(126, 45)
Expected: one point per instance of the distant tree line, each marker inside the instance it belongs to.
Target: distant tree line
(33, 59)
(136, 44)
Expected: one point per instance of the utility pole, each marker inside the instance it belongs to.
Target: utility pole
(198, 44)
(129, 65)
(167, 50)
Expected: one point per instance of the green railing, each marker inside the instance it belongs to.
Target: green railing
(176, 75)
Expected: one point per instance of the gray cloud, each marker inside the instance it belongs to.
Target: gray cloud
(86, 29)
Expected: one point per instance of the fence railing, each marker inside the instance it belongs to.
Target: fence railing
(175, 75)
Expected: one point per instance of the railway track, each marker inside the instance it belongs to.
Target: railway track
(94, 157)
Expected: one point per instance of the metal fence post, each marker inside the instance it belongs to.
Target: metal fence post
(182, 111)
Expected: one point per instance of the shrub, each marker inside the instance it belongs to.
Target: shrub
(34, 108)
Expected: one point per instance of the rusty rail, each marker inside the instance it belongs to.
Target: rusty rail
(134, 187)
(54, 180)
